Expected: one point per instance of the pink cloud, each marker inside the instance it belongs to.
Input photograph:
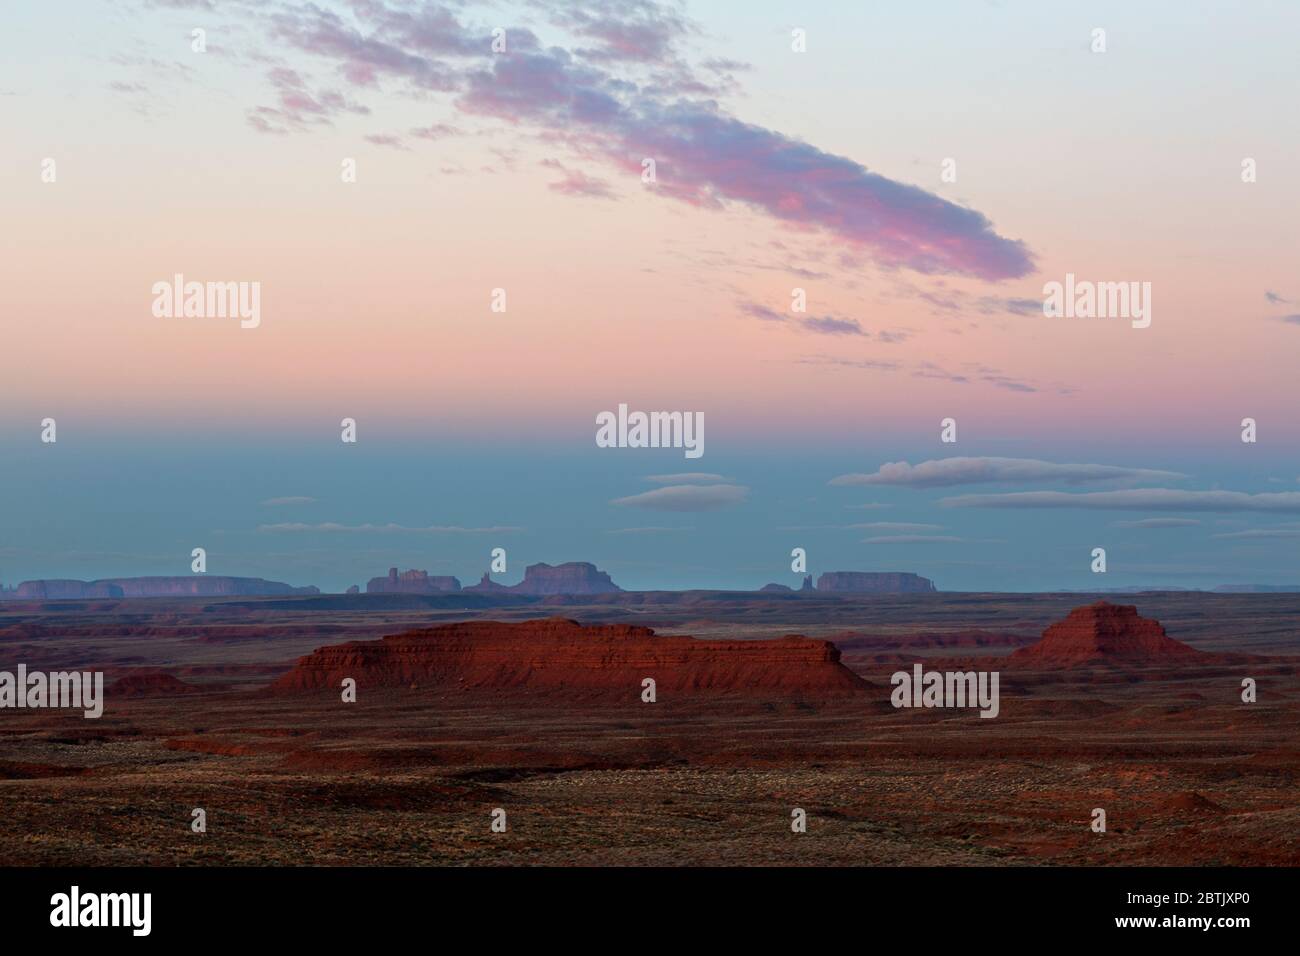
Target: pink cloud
(575, 182)
(704, 156)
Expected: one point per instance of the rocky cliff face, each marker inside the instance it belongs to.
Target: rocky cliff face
(873, 582)
(560, 655)
(412, 582)
(1104, 632)
(198, 585)
(574, 577)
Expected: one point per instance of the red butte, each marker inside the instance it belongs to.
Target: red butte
(1103, 632)
(558, 654)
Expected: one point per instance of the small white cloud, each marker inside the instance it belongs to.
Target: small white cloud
(686, 498)
(685, 477)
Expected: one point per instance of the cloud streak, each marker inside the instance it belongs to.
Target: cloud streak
(1137, 499)
(946, 472)
(684, 477)
(686, 498)
(895, 526)
(390, 528)
(1157, 523)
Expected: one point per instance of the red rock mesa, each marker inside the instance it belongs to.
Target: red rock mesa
(563, 655)
(1103, 632)
(156, 684)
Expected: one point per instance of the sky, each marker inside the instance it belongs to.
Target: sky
(914, 176)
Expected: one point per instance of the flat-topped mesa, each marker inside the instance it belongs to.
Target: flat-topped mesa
(560, 655)
(61, 589)
(412, 582)
(1103, 632)
(572, 577)
(873, 582)
(198, 585)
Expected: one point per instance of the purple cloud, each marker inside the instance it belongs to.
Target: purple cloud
(435, 131)
(824, 325)
(704, 156)
(638, 33)
(385, 139)
(828, 325)
(299, 107)
(574, 182)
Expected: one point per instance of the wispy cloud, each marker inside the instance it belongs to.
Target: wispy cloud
(435, 131)
(686, 498)
(829, 325)
(1157, 523)
(289, 500)
(390, 140)
(684, 477)
(332, 527)
(647, 530)
(976, 375)
(1261, 533)
(299, 107)
(574, 182)
(894, 526)
(946, 472)
(824, 325)
(1137, 499)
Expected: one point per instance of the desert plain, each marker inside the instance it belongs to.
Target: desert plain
(1188, 773)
